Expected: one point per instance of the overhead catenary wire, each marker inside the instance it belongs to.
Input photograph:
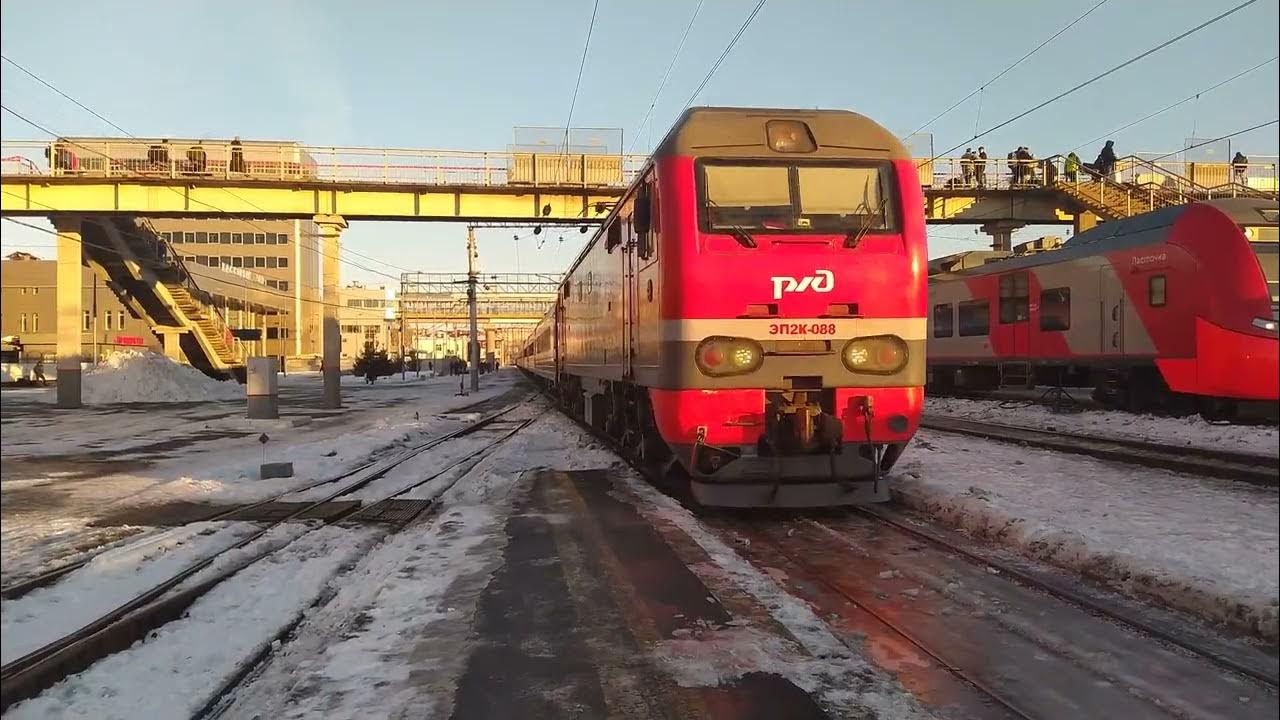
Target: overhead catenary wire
(1183, 101)
(257, 288)
(107, 157)
(1005, 71)
(665, 76)
(1259, 126)
(586, 47)
(1217, 18)
(250, 223)
(724, 54)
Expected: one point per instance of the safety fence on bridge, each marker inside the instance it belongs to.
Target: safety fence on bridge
(261, 161)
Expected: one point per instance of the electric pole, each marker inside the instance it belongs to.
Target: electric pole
(474, 347)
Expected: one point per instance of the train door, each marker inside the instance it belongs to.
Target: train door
(1111, 309)
(1015, 315)
(558, 334)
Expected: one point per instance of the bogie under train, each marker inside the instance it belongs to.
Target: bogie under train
(753, 309)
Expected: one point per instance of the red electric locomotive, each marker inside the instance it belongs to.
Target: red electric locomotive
(1173, 310)
(753, 309)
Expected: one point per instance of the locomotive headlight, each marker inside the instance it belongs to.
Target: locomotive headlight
(878, 354)
(790, 136)
(719, 356)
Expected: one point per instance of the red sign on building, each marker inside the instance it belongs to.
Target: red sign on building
(129, 340)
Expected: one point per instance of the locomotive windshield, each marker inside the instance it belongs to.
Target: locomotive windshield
(797, 197)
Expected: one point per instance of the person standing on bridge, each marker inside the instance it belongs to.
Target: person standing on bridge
(1071, 167)
(980, 167)
(1105, 164)
(966, 166)
(1240, 164)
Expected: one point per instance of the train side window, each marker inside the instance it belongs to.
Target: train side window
(613, 235)
(943, 320)
(1055, 309)
(1157, 291)
(974, 318)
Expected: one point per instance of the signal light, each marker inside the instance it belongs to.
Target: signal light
(789, 136)
(719, 356)
(877, 354)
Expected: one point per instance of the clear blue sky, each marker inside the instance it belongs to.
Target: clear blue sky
(461, 75)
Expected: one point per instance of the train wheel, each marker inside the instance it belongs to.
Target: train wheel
(1217, 409)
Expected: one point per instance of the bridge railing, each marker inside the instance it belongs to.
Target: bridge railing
(259, 161)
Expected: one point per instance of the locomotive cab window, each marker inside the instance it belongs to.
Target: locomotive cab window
(1157, 291)
(1014, 299)
(797, 198)
(974, 318)
(1055, 309)
(943, 321)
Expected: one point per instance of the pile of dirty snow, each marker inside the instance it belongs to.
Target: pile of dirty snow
(132, 376)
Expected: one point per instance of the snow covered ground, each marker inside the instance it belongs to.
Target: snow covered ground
(61, 471)
(1205, 546)
(1190, 431)
(141, 376)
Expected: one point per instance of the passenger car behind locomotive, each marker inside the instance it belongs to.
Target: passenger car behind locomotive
(753, 309)
(1172, 310)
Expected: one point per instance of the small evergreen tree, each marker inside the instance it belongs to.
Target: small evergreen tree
(374, 359)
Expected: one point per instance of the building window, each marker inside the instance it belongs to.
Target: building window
(35, 291)
(352, 302)
(237, 239)
(1157, 291)
(106, 319)
(271, 262)
(237, 261)
(273, 333)
(224, 238)
(189, 237)
(259, 262)
(1014, 304)
(943, 320)
(974, 318)
(282, 239)
(22, 323)
(284, 284)
(22, 291)
(284, 262)
(1055, 309)
(88, 321)
(119, 319)
(259, 239)
(167, 237)
(202, 236)
(35, 322)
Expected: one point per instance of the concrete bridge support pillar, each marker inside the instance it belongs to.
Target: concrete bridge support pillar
(1001, 233)
(330, 229)
(172, 344)
(70, 306)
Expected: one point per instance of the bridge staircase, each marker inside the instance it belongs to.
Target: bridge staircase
(150, 278)
(1138, 186)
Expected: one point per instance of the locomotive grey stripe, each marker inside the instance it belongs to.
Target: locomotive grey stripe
(792, 328)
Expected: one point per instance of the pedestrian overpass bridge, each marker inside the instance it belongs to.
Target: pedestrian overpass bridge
(109, 183)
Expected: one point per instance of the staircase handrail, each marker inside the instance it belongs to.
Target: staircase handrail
(188, 281)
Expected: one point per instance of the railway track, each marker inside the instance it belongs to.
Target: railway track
(15, 590)
(119, 628)
(1142, 661)
(1244, 467)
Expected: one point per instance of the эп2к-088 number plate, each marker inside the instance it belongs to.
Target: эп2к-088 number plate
(802, 328)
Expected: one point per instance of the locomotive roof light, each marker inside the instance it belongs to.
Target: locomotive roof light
(790, 136)
(720, 356)
(877, 354)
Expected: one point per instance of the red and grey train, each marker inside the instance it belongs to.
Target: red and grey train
(1174, 310)
(753, 309)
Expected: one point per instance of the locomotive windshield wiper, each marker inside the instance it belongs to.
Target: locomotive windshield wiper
(743, 237)
(852, 237)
